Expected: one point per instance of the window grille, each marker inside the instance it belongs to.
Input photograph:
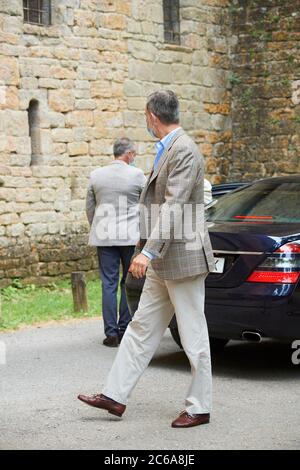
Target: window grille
(171, 21)
(37, 12)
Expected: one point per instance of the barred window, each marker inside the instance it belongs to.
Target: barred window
(172, 21)
(37, 12)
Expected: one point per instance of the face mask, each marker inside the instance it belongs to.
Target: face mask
(132, 158)
(151, 132)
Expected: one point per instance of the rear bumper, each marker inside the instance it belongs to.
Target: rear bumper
(273, 311)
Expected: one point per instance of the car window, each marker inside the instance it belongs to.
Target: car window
(262, 202)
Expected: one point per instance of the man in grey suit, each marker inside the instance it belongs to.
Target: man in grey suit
(112, 211)
(176, 255)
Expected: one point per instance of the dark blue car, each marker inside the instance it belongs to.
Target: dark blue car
(255, 234)
(255, 291)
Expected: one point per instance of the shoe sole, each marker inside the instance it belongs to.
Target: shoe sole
(189, 425)
(115, 414)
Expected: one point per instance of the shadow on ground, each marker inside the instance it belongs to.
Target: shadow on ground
(268, 360)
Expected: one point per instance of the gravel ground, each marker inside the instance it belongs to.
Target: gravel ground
(256, 395)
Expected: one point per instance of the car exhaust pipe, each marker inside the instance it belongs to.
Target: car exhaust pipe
(253, 336)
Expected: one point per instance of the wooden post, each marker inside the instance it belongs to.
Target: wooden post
(79, 292)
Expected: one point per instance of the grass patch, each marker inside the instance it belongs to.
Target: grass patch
(31, 304)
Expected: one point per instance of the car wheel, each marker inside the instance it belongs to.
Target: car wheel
(216, 344)
(176, 336)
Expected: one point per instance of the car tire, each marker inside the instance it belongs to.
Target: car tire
(176, 336)
(216, 344)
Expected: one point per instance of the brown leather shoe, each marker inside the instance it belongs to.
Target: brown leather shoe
(111, 341)
(185, 420)
(105, 403)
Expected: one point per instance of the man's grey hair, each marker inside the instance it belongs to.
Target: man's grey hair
(122, 146)
(164, 104)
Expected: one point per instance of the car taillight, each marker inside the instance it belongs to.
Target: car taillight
(281, 267)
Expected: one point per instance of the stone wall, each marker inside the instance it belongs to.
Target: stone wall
(89, 74)
(76, 70)
(85, 80)
(265, 79)
(197, 70)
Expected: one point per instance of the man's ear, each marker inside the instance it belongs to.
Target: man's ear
(153, 117)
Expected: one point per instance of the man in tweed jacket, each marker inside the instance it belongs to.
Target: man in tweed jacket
(176, 255)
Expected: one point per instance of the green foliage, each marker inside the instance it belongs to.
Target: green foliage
(234, 79)
(233, 7)
(247, 96)
(292, 148)
(261, 35)
(31, 304)
(285, 81)
(266, 73)
(275, 19)
(274, 121)
(289, 24)
(252, 53)
(297, 118)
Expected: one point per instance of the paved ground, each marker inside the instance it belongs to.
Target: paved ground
(256, 395)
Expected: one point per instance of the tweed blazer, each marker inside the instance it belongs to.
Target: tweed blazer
(172, 224)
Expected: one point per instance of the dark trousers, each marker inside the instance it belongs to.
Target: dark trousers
(110, 258)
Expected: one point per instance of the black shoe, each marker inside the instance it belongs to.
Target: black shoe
(111, 341)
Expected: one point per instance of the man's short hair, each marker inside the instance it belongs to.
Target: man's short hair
(122, 146)
(164, 104)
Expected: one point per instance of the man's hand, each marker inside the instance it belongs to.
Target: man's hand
(139, 266)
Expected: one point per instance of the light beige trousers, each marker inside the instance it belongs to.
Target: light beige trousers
(159, 299)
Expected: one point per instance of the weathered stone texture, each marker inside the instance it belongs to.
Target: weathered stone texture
(265, 82)
(236, 73)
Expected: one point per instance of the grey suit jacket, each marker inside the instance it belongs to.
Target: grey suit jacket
(112, 204)
(175, 230)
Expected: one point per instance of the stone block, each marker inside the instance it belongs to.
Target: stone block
(9, 71)
(61, 100)
(62, 135)
(49, 83)
(8, 219)
(101, 147)
(85, 104)
(9, 97)
(140, 70)
(48, 195)
(36, 230)
(84, 134)
(133, 118)
(77, 148)
(162, 73)
(15, 122)
(15, 230)
(28, 195)
(115, 21)
(31, 217)
(7, 194)
(82, 118)
(11, 7)
(101, 89)
(181, 73)
(51, 119)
